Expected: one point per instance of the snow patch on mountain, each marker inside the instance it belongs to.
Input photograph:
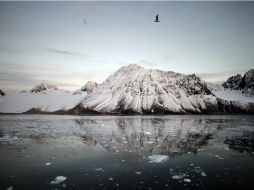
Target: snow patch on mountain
(134, 89)
(236, 88)
(233, 95)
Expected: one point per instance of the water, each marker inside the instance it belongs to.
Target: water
(112, 152)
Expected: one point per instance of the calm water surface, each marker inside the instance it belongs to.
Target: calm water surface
(112, 152)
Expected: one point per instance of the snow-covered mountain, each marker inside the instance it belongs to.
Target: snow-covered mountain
(43, 97)
(243, 83)
(233, 82)
(43, 86)
(236, 88)
(134, 89)
(87, 88)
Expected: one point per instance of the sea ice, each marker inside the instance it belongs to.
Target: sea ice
(98, 169)
(158, 158)
(177, 177)
(203, 174)
(194, 131)
(187, 180)
(8, 138)
(58, 180)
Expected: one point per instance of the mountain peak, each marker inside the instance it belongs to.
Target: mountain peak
(88, 87)
(43, 86)
(244, 83)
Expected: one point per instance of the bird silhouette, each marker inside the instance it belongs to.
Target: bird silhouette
(157, 18)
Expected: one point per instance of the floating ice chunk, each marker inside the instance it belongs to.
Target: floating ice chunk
(58, 180)
(147, 133)
(138, 173)
(48, 164)
(98, 169)
(203, 174)
(10, 188)
(158, 158)
(187, 180)
(111, 179)
(150, 142)
(8, 138)
(177, 177)
(195, 132)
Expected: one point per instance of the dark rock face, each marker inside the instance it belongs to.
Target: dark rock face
(1, 93)
(233, 82)
(235, 107)
(245, 83)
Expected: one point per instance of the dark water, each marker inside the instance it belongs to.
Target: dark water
(112, 152)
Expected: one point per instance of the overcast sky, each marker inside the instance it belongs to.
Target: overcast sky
(48, 41)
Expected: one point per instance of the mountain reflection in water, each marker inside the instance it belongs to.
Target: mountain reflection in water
(114, 152)
(148, 136)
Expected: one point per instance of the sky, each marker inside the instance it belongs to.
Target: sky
(49, 41)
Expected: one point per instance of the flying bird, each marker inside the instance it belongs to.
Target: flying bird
(157, 18)
(85, 21)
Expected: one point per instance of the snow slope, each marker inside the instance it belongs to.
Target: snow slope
(233, 95)
(48, 100)
(134, 89)
(236, 88)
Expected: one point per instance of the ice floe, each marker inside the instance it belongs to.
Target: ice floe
(8, 138)
(58, 180)
(99, 169)
(158, 158)
(187, 180)
(177, 177)
(195, 132)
